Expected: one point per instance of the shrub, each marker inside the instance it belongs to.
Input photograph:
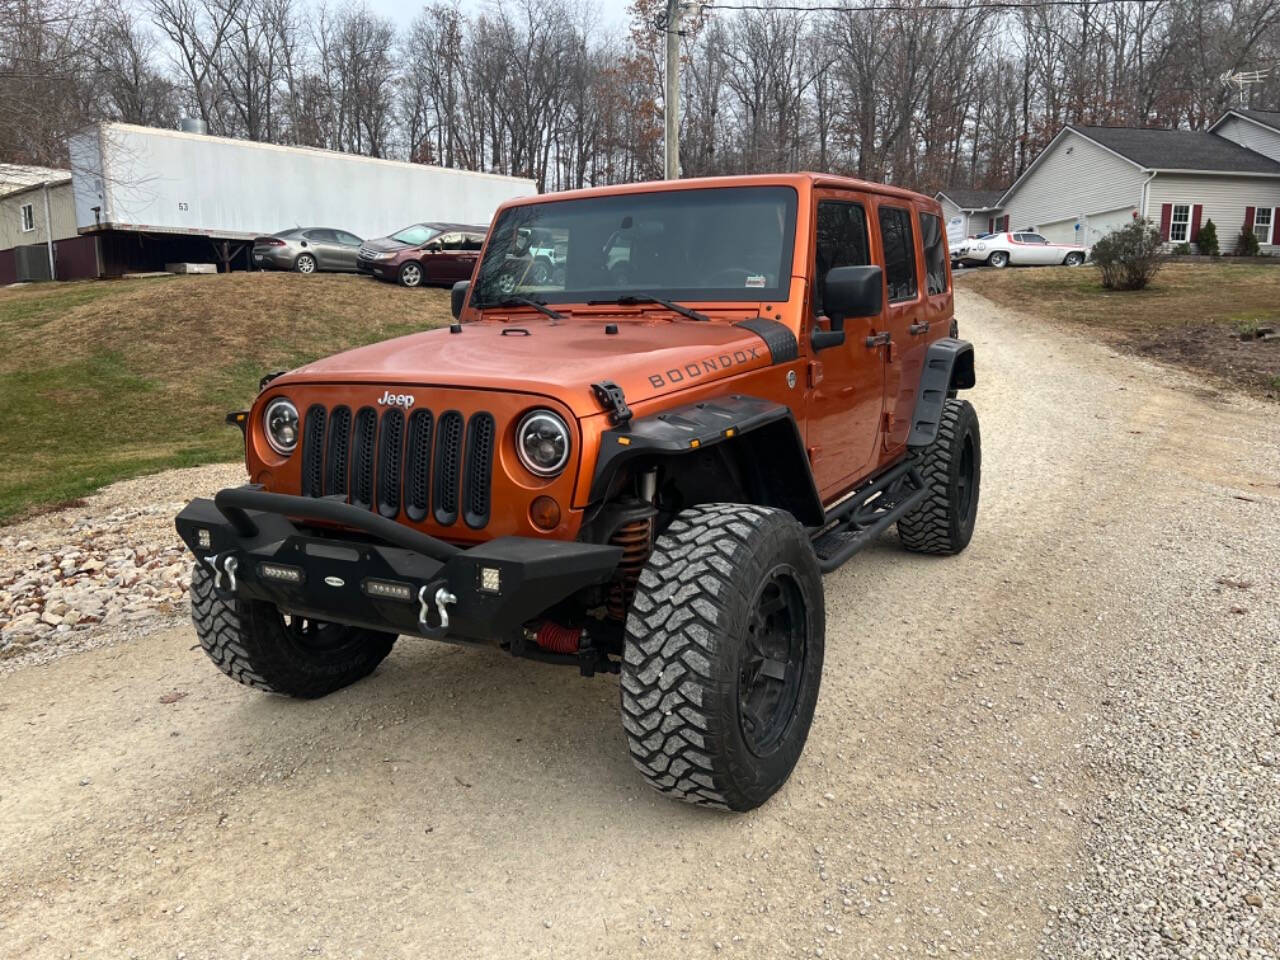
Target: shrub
(1207, 241)
(1182, 250)
(1247, 244)
(1130, 257)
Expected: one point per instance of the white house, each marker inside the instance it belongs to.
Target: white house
(1090, 180)
(969, 212)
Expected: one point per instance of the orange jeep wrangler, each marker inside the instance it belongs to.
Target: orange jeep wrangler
(640, 460)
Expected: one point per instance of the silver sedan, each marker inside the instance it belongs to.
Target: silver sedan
(306, 250)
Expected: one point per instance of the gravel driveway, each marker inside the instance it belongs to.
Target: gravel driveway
(1064, 743)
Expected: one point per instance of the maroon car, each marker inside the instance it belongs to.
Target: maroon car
(435, 253)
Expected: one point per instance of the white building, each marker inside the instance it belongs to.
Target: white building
(1090, 180)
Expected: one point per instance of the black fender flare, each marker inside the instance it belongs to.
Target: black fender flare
(763, 436)
(948, 367)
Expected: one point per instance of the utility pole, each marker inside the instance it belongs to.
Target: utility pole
(675, 9)
(48, 233)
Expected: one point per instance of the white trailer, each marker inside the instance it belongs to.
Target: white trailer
(172, 183)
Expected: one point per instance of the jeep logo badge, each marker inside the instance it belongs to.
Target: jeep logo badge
(389, 399)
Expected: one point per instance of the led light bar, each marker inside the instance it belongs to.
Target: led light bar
(388, 589)
(490, 580)
(280, 572)
(204, 538)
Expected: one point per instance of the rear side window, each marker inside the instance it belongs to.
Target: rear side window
(841, 241)
(472, 241)
(935, 253)
(320, 236)
(899, 253)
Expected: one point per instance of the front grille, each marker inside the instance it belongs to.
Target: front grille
(312, 444)
(363, 454)
(390, 447)
(448, 466)
(479, 459)
(416, 464)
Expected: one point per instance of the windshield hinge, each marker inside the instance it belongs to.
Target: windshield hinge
(613, 400)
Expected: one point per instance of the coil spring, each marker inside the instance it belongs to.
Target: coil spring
(636, 540)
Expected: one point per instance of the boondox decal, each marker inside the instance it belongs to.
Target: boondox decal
(390, 399)
(691, 371)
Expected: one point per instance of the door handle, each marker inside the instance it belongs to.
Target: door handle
(918, 328)
(879, 340)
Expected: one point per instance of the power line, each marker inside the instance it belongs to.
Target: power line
(924, 8)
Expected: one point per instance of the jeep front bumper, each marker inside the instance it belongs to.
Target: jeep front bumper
(362, 569)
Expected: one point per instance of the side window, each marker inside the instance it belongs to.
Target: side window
(935, 253)
(349, 239)
(1036, 238)
(841, 241)
(451, 241)
(899, 253)
(320, 236)
(472, 241)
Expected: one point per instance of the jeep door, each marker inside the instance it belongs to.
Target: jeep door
(911, 310)
(846, 382)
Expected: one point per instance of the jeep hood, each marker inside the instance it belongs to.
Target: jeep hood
(647, 358)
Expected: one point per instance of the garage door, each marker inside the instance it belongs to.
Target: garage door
(1063, 231)
(1098, 225)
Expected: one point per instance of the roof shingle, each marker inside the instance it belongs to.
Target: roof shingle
(973, 199)
(1180, 150)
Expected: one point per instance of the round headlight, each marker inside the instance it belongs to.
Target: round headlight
(280, 420)
(542, 441)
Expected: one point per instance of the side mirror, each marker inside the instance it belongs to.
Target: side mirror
(848, 292)
(432, 246)
(458, 297)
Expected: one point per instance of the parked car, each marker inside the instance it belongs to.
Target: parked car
(1019, 250)
(962, 246)
(306, 250)
(424, 253)
(624, 471)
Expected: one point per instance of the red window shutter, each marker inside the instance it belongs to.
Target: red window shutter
(1166, 218)
(1275, 225)
(1195, 222)
(991, 224)
(1248, 219)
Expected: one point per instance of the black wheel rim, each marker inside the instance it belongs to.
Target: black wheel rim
(964, 479)
(772, 662)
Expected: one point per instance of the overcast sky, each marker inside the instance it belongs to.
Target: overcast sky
(613, 13)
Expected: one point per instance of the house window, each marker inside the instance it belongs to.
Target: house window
(28, 218)
(1262, 224)
(1180, 225)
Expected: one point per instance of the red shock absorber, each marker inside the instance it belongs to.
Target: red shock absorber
(636, 540)
(558, 639)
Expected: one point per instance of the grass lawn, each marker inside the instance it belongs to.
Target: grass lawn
(111, 379)
(1191, 315)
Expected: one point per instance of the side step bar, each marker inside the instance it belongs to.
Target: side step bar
(856, 521)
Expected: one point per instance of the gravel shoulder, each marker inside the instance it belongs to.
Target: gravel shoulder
(1061, 743)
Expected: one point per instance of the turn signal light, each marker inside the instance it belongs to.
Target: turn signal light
(545, 513)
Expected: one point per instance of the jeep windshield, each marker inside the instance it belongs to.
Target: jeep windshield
(706, 244)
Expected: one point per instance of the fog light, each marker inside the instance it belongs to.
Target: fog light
(388, 589)
(278, 571)
(545, 513)
(490, 580)
(204, 539)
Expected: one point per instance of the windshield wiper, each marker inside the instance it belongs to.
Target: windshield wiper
(632, 299)
(538, 305)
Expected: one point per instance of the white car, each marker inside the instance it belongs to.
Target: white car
(1019, 250)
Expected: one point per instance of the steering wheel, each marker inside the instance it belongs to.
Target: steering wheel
(733, 276)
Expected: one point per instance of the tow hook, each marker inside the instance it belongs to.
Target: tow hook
(224, 576)
(442, 598)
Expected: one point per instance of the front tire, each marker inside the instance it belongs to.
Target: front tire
(410, 275)
(1074, 259)
(999, 259)
(305, 263)
(252, 643)
(723, 655)
(951, 467)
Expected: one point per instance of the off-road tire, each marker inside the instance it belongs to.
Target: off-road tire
(305, 263)
(250, 642)
(999, 260)
(943, 522)
(687, 648)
